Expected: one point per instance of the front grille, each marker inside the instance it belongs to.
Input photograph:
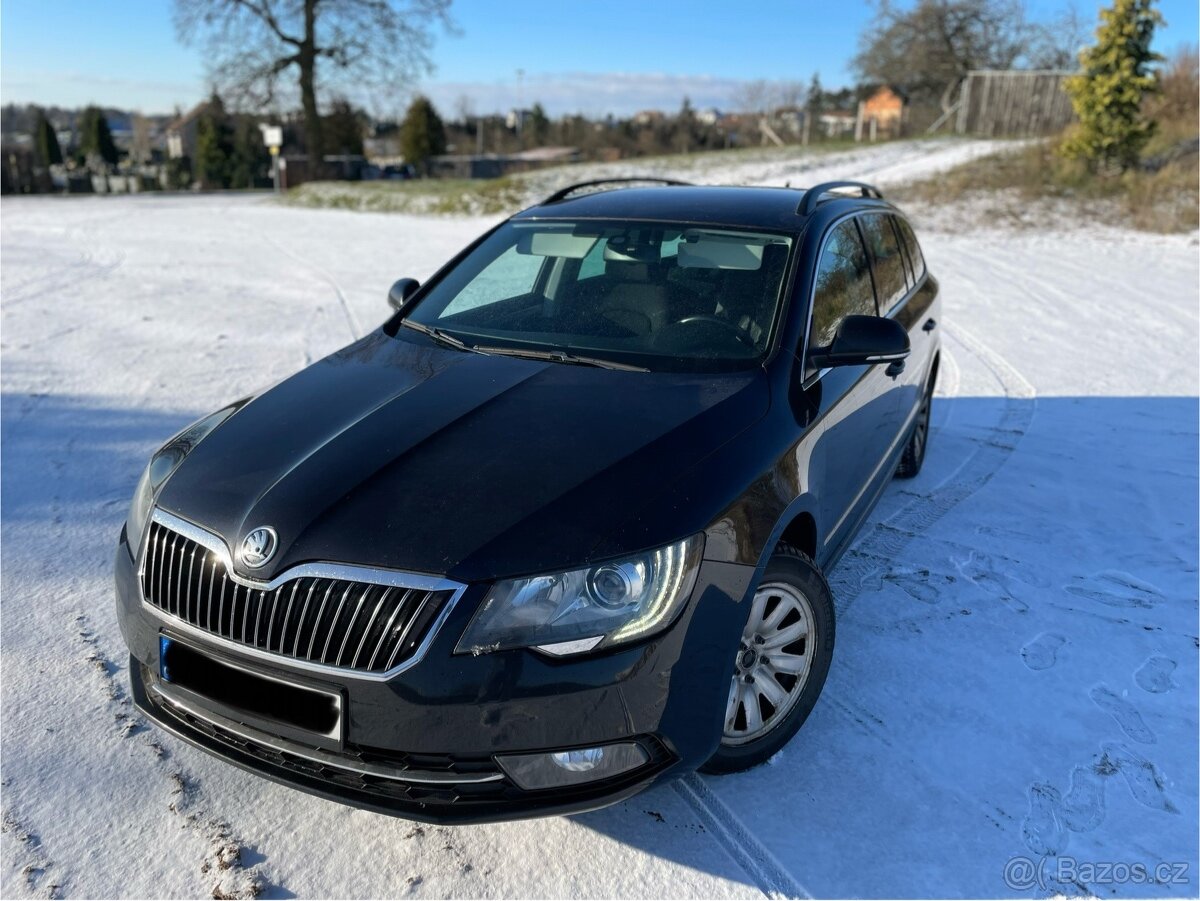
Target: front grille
(336, 622)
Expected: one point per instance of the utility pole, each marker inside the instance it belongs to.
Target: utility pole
(520, 103)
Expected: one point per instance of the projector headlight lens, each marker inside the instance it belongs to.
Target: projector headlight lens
(584, 609)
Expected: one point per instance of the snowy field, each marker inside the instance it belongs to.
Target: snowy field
(1016, 671)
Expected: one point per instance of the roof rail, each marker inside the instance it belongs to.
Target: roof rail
(813, 196)
(571, 189)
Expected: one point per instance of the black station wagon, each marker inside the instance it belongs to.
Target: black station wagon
(557, 530)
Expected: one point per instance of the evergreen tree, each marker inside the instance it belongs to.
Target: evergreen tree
(342, 129)
(1107, 94)
(45, 141)
(95, 139)
(422, 135)
(815, 106)
(685, 127)
(250, 160)
(539, 125)
(214, 145)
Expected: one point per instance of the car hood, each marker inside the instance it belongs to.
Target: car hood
(400, 453)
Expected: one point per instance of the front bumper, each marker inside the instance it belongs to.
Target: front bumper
(453, 714)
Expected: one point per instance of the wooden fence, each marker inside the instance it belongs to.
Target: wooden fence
(1013, 103)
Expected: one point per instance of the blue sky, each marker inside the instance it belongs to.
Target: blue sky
(594, 57)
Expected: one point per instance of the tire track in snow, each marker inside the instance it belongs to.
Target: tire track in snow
(351, 319)
(771, 877)
(869, 557)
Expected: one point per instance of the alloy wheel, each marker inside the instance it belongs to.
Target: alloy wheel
(773, 662)
(921, 431)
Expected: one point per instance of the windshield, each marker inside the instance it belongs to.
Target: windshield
(659, 296)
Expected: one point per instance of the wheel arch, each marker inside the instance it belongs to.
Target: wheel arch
(799, 526)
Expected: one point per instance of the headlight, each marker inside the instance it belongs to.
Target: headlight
(160, 467)
(583, 609)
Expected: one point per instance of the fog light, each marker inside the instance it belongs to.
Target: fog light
(536, 771)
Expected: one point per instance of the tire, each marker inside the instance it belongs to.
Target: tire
(792, 581)
(914, 452)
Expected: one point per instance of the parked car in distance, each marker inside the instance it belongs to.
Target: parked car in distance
(559, 528)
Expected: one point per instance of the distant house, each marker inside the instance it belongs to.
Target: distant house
(837, 123)
(886, 107)
(517, 118)
(649, 117)
(709, 116)
(181, 133)
(789, 119)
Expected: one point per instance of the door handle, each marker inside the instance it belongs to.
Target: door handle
(895, 368)
(929, 326)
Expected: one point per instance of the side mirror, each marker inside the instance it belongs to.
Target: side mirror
(862, 340)
(401, 291)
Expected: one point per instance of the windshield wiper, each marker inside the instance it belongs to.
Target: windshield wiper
(440, 336)
(559, 356)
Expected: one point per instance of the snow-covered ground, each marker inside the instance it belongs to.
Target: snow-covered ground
(883, 165)
(1016, 671)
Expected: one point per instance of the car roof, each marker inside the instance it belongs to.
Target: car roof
(773, 209)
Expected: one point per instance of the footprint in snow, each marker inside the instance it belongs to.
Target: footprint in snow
(1115, 589)
(1051, 814)
(1145, 782)
(1041, 830)
(1082, 809)
(919, 584)
(1155, 675)
(1042, 652)
(1124, 713)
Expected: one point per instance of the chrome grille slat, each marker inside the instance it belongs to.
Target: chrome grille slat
(317, 622)
(212, 581)
(387, 630)
(221, 606)
(359, 625)
(367, 630)
(334, 623)
(404, 634)
(170, 568)
(286, 614)
(187, 604)
(350, 627)
(179, 582)
(300, 622)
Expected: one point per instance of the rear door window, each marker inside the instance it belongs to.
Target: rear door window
(843, 286)
(911, 245)
(891, 283)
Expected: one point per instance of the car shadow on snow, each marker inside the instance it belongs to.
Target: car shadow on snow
(67, 475)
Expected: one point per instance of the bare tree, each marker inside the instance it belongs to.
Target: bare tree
(349, 44)
(464, 106)
(1056, 44)
(792, 94)
(752, 97)
(928, 47)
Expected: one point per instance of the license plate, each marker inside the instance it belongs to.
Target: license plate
(265, 702)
